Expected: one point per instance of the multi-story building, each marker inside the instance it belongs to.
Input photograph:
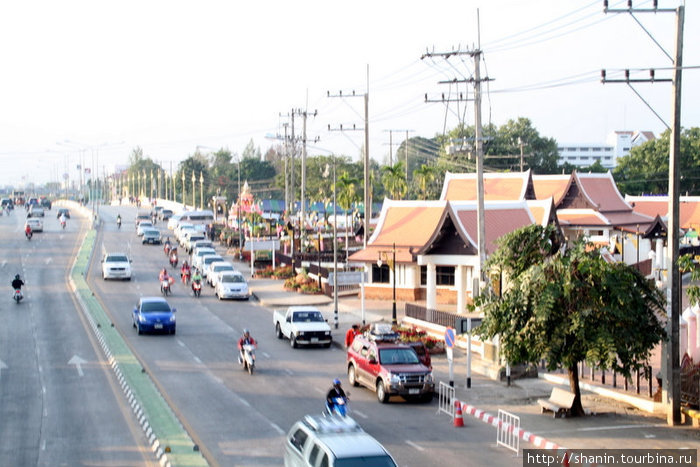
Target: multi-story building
(618, 145)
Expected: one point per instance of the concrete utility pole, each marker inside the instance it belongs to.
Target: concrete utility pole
(672, 383)
(368, 207)
(302, 222)
(478, 143)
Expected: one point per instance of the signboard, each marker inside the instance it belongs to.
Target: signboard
(449, 338)
(348, 277)
(465, 325)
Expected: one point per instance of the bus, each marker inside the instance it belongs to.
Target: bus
(202, 218)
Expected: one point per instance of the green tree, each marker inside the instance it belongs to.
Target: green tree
(569, 306)
(394, 180)
(424, 179)
(194, 165)
(645, 169)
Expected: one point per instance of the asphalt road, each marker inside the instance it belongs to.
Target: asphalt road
(239, 419)
(59, 403)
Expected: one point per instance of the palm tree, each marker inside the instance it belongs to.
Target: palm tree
(424, 177)
(394, 180)
(347, 195)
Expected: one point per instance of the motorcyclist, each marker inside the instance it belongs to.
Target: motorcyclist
(167, 246)
(28, 230)
(335, 391)
(119, 221)
(62, 219)
(185, 272)
(163, 276)
(246, 339)
(17, 283)
(173, 256)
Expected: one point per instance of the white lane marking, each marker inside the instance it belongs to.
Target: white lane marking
(622, 427)
(649, 436)
(357, 412)
(3, 366)
(48, 260)
(266, 355)
(4, 262)
(412, 444)
(77, 361)
(244, 402)
(277, 428)
(289, 372)
(319, 390)
(180, 343)
(196, 359)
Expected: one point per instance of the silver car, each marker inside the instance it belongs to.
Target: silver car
(151, 236)
(232, 285)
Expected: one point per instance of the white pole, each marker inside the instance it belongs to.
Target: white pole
(362, 293)
(252, 255)
(469, 353)
(274, 247)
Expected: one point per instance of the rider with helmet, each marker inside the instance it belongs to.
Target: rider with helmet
(246, 338)
(17, 283)
(336, 391)
(119, 220)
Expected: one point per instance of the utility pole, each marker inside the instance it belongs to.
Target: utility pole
(478, 142)
(302, 222)
(367, 203)
(391, 149)
(672, 381)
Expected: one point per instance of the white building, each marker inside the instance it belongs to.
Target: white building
(618, 145)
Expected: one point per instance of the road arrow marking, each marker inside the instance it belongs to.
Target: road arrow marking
(77, 361)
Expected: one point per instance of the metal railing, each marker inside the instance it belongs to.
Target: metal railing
(446, 399)
(443, 318)
(508, 431)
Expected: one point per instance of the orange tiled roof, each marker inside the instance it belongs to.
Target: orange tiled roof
(658, 205)
(551, 185)
(583, 217)
(497, 186)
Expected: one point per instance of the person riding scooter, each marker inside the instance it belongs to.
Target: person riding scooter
(196, 282)
(336, 392)
(173, 257)
(246, 339)
(119, 221)
(17, 283)
(62, 219)
(28, 231)
(185, 272)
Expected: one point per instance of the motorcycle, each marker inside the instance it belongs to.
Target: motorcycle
(165, 287)
(63, 224)
(166, 248)
(340, 407)
(28, 235)
(17, 296)
(119, 223)
(248, 360)
(197, 288)
(173, 258)
(185, 277)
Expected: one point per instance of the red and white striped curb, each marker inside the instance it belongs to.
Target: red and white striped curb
(537, 441)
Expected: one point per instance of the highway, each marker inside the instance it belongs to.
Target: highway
(59, 403)
(56, 412)
(239, 419)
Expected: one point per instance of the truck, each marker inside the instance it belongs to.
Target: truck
(302, 325)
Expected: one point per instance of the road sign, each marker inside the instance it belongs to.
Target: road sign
(348, 278)
(465, 325)
(449, 338)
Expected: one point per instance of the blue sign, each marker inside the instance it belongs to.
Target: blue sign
(449, 338)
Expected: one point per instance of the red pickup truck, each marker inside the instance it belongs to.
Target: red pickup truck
(390, 368)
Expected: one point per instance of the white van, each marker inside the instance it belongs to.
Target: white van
(197, 217)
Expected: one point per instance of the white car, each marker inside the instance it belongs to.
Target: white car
(36, 224)
(215, 269)
(116, 266)
(206, 261)
(143, 225)
(181, 230)
(173, 221)
(199, 254)
(232, 285)
(190, 238)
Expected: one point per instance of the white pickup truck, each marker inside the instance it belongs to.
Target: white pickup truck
(302, 325)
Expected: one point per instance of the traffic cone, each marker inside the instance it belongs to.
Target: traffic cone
(458, 420)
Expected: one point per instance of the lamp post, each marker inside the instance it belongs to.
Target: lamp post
(335, 253)
(238, 216)
(201, 190)
(637, 247)
(194, 179)
(184, 190)
(392, 267)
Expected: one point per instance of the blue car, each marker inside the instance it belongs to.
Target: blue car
(153, 314)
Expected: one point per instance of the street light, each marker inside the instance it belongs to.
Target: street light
(184, 205)
(194, 179)
(201, 190)
(383, 256)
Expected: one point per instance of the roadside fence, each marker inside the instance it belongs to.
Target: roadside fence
(446, 398)
(508, 430)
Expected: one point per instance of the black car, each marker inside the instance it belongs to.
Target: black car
(46, 203)
(63, 211)
(7, 203)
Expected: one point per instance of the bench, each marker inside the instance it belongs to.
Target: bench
(559, 402)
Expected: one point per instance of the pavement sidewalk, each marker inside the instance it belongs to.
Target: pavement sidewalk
(611, 424)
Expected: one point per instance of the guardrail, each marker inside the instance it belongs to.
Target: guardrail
(508, 431)
(446, 399)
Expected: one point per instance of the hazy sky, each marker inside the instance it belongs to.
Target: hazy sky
(169, 76)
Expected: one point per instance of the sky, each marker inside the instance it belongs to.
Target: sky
(87, 82)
